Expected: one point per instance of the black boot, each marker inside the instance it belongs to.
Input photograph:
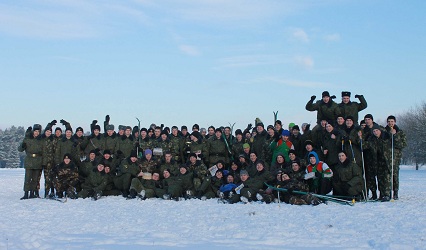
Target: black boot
(395, 195)
(32, 195)
(36, 194)
(46, 194)
(132, 194)
(25, 196)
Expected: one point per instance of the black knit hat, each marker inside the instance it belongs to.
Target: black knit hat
(97, 127)
(79, 129)
(325, 93)
(196, 126)
(238, 132)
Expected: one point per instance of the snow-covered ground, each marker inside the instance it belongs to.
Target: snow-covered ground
(117, 223)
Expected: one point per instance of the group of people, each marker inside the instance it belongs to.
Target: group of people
(351, 159)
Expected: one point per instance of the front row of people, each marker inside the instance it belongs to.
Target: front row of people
(243, 181)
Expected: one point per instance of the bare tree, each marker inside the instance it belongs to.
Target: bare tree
(413, 123)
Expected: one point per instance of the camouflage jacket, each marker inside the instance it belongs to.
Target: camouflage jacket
(65, 174)
(48, 150)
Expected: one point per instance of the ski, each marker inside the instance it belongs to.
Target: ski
(62, 200)
(322, 197)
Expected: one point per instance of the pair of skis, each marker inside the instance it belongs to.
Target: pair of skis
(322, 197)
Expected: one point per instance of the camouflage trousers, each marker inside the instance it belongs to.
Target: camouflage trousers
(136, 184)
(30, 182)
(47, 177)
(396, 174)
(65, 185)
(384, 178)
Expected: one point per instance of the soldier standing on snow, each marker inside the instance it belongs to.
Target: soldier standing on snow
(348, 108)
(33, 147)
(399, 143)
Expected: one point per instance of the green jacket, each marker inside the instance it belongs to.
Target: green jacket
(325, 111)
(125, 145)
(129, 167)
(33, 148)
(348, 172)
(352, 108)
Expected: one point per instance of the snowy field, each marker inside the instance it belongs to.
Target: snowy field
(117, 223)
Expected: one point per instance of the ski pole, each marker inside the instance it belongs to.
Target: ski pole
(352, 149)
(391, 191)
(363, 172)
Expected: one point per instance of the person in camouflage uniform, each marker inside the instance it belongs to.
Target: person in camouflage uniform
(326, 108)
(109, 140)
(86, 167)
(128, 169)
(110, 188)
(237, 146)
(148, 163)
(172, 186)
(331, 143)
(168, 163)
(80, 144)
(399, 143)
(248, 188)
(125, 144)
(381, 144)
(33, 147)
(65, 177)
(95, 140)
(201, 179)
(48, 160)
(348, 108)
(293, 184)
(176, 144)
(95, 184)
(66, 145)
(370, 157)
(350, 139)
(107, 159)
(259, 141)
(217, 149)
(197, 146)
(164, 143)
(347, 177)
(145, 188)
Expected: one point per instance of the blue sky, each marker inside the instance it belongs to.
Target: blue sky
(210, 62)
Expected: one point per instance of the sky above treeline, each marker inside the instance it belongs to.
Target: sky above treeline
(206, 62)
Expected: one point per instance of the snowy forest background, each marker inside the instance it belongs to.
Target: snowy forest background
(413, 122)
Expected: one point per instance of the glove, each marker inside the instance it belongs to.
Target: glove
(24, 145)
(307, 127)
(313, 98)
(29, 129)
(333, 97)
(63, 122)
(318, 174)
(107, 118)
(53, 123)
(290, 190)
(249, 126)
(357, 96)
